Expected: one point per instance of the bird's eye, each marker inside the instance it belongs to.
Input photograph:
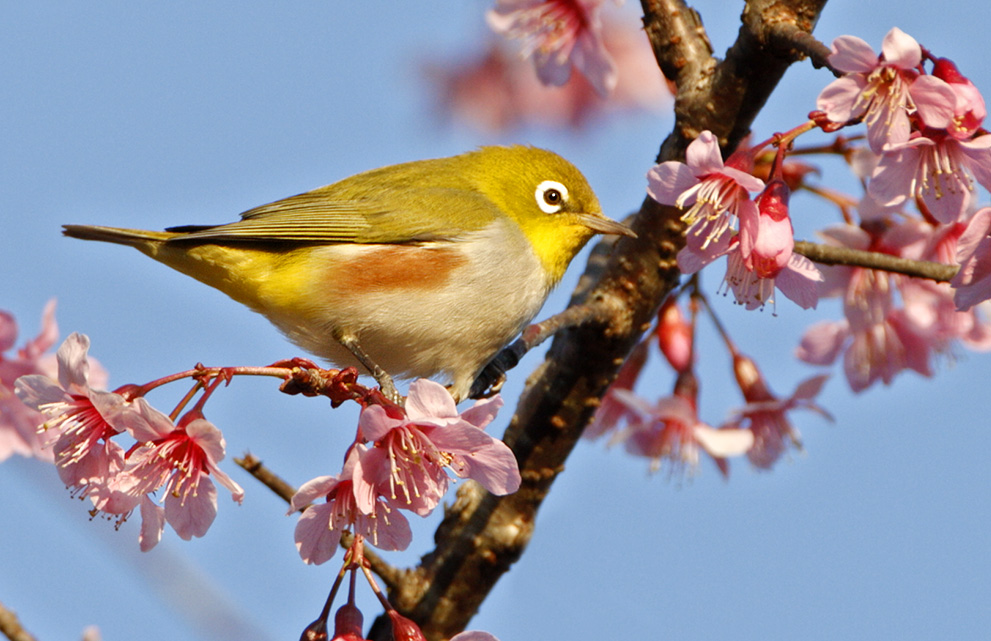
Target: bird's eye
(551, 196)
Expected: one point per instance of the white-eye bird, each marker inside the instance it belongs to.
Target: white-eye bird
(422, 269)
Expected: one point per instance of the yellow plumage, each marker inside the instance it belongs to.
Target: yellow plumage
(424, 269)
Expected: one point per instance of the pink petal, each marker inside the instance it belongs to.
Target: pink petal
(192, 514)
(725, 442)
(390, 530)
(978, 152)
(374, 423)
(429, 400)
(144, 422)
(371, 468)
(852, 55)
(976, 232)
(891, 184)
(312, 490)
(495, 468)
(72, 366)
(316, 538)
(810, 387)
(668, 180)
(839, 97)
(799, 282)
(206, 435)
(152, 524)
(823, 342)
(591, 57)
(483, 412)
(934, 101)
(703, 154)
(901, 50)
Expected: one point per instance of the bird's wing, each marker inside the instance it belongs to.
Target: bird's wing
(391, 216)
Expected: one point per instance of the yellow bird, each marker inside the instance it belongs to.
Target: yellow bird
(422, 269)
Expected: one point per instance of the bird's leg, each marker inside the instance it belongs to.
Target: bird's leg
(382, 377)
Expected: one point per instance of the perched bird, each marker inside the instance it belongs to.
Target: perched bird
(422, 269)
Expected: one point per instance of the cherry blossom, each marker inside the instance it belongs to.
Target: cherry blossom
(671, 430)
(320, 526)
(764, 415)
(18, 422)
(181, 459)
(498, 91)
(408, 457)
(715, 193)
(80, 418)
(881, 89)
(558, 35)
(797, 280)
(878, 340)
(935, 169)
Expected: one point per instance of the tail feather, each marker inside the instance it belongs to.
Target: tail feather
(131, 237)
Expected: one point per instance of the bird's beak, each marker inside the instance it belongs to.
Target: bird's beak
(605, 225)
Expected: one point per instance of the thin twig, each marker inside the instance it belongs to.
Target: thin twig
(268, 478)
(832, 255)
(11, 626)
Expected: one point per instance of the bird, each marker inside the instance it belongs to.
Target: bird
(424, 269)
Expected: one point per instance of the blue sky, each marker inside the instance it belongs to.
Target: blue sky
(156, 114)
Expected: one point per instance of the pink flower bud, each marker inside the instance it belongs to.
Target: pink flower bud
(348, 623)
(674, 336)
(403, 629)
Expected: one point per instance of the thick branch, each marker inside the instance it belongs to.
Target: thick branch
(483, 535)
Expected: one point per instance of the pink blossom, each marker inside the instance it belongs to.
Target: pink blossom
(765, 414)
(498, 91)
(671, 430)
(19, 423)
(409, 455)
(797, 280)
(881, 89)
(319, 529)
(80, 418)
(877, 339)
(181, 459)
(935, 169)
(558, 35)
(972, 284)
(714, 193)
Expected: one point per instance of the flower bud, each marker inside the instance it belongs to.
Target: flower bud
(403, 629)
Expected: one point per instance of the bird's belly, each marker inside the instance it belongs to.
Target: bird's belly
(417, 310)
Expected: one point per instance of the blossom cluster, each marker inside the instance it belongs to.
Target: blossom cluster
(669, 429)
(83, 426)
(925, 147)
(400, 461)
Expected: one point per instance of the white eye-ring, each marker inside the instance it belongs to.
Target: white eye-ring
(551, 196)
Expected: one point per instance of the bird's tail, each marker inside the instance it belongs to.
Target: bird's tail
(133, 237)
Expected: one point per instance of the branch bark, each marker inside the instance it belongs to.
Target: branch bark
(482, 535)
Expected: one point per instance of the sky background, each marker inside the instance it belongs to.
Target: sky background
(156, 114)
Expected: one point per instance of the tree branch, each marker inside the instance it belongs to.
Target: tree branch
(10, 626)
(832, 255)
(483, 535)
